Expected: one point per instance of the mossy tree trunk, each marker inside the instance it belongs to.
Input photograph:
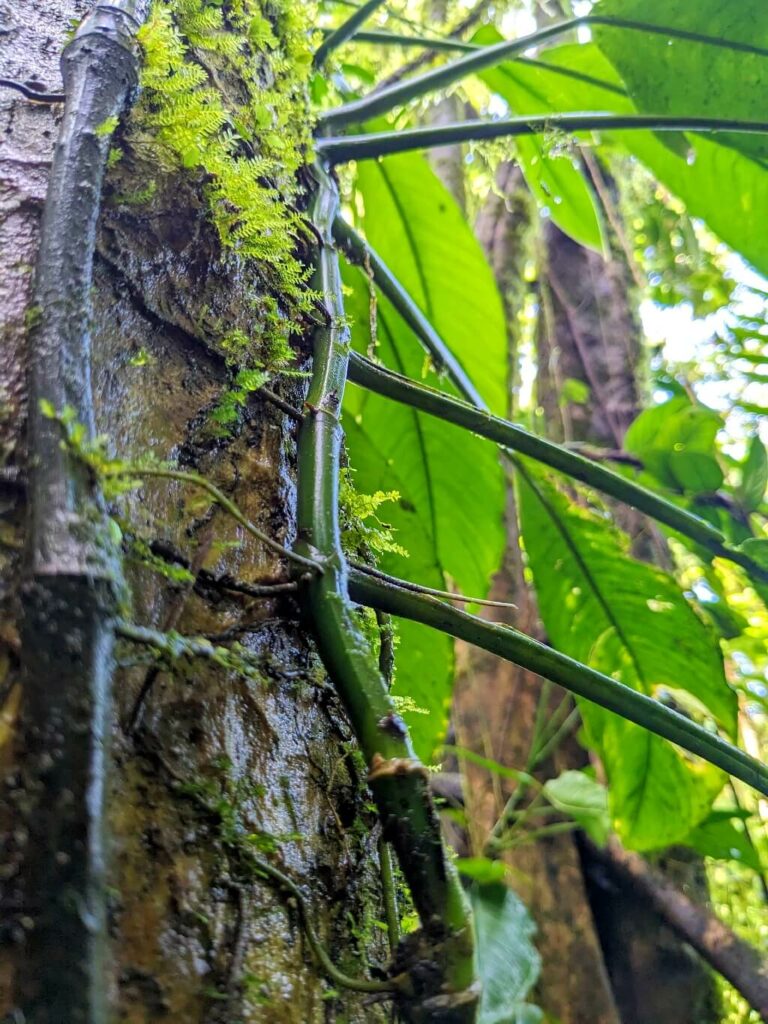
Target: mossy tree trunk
(195, 935)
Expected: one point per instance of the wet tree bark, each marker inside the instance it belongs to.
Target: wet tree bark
(195, 936)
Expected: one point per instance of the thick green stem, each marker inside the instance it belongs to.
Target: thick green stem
(72, 586)
(572, 675)
(398, 780)
(359, 111)
(340, 149)
(509, 435)
(345, 31)
(443, 359)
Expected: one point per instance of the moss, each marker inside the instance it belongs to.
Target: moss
(225, 93)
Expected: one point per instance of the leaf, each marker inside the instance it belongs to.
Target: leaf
(580, 77)
(719, 838)
(449, 481)
(481, 869)
(555, 179)
(754, 476)
(416, 226)
(584, 800)
(507, 962)
(629, 620)
(676, 443)
(666, 75)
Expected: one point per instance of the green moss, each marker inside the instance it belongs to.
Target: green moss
(224, 91)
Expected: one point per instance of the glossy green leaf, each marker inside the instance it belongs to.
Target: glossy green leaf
(580, 77)
(416, 226)
(584, 800)
(754, 477)
(449, 481)
(507, 962)
(719, 838)
(675, 441)
(450, 514)
(630, 620)
(553, 176)
(665, 75)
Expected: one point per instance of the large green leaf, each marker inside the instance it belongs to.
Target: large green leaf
(507, 961)
(719, 838)
(583, 799)
(629, 620)
(450, 513)
(666, 75)
(553, 176)
(717, 183)
(416, 226)
(675, 441)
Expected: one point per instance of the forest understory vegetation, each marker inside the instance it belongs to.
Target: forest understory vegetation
(384, 624)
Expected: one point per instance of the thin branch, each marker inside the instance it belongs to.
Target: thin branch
(340, 149)
(359, 251)
(585, 682)
(30, 92)
(426, 58)
(197, 480)
(418, 588)
(359, 111)
(509, 435)
(345, 31)
(729, 955)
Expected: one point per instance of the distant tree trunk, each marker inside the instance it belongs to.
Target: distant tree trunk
(194, 936)
(589, 332)
(496, 703)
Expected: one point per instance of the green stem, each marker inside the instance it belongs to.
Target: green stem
(393, 385)
(340, 149)
(390, 894)
(443, 359)
(197, 480)
(398, 780)
(345, 31)
(572, 675)
(359, 111)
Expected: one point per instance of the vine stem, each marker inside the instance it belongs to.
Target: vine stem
(398, 780)
(359, 111)
(73, 577)
(361, 253)
(197, 480)
(585, 682)
(345, 31)
(375, 144)
(393, 385)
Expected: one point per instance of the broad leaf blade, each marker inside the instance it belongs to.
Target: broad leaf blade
(667, 75)
(553, 177)
(508, 964)
(449, 481)
(584, 800)
(580, 77)
(629, 620)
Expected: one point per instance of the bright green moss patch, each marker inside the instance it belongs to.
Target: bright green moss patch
(224, 92)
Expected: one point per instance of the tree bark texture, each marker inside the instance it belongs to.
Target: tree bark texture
(194, 935)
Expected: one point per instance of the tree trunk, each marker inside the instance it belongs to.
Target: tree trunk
(495, 706)
(202, 756)
(589, 332)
